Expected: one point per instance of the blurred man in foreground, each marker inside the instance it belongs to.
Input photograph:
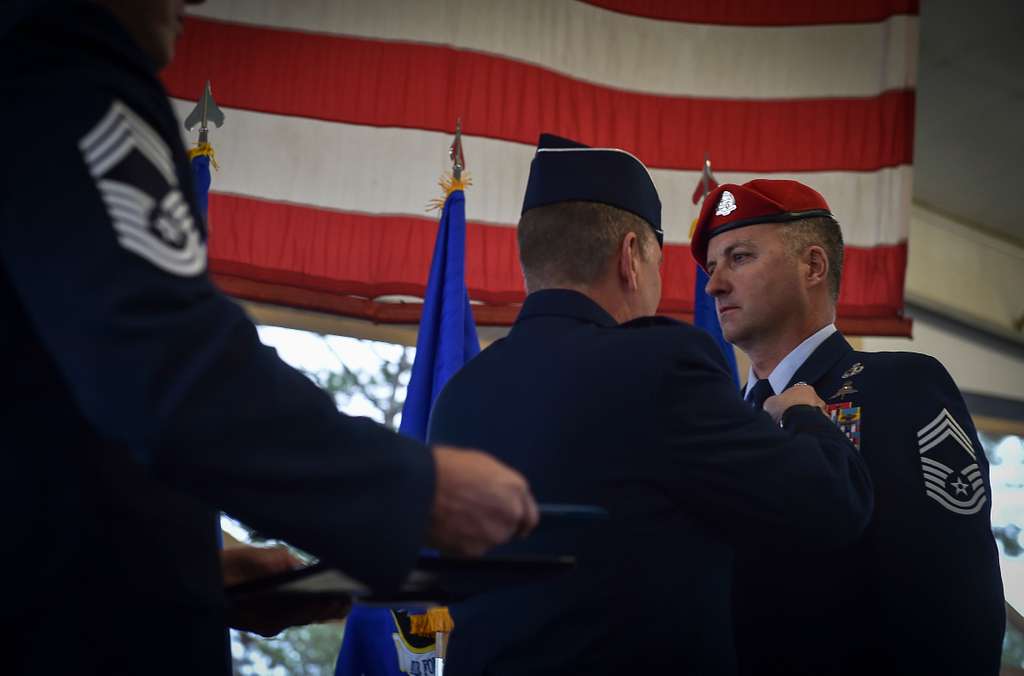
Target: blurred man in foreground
(138, 400)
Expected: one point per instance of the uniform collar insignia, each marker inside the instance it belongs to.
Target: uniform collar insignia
(853, 370)
(846, 389)
(823, 359)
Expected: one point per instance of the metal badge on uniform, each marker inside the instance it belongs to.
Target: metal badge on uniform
(726, 205)
(846, 389)
(853, 370)
(846, 416)
(134, 173)
(949, 466)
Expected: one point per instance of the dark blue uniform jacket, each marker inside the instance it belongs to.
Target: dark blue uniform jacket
(137, 399)
(920, 592)
(642, 419)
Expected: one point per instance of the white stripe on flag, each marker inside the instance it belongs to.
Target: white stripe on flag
(619, 50)
(353, 168)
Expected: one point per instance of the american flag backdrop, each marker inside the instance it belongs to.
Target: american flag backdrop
(340, 114)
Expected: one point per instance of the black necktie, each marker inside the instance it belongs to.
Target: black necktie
(761, 390)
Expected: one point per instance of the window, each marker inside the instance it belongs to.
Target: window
(1006, 458)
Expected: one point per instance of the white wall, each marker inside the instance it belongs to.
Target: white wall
(976, 365)
(958, 270)
(953, 265)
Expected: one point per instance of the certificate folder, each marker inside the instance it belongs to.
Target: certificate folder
(436, 579)
(447, 579)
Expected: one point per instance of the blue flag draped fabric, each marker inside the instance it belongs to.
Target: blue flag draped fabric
(199, 158)
(447, 337)
(705, 317)
(704, 314)
(201, 174)
(374, 643)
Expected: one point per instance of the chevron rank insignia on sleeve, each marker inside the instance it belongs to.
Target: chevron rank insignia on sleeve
(134, 172)
(949, 466)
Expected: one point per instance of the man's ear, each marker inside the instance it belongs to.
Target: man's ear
(629, 255)
(816, 260)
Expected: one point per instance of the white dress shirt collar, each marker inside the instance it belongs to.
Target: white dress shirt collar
(783, 373)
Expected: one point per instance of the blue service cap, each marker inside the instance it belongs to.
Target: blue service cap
(567, 171)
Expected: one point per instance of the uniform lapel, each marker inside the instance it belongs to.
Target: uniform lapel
(821, 360)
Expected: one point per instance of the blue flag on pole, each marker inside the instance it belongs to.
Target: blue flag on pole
(704, 314)
(201, 175)
(199, 158)
(447, 336)
(705, 317)
(377, 642)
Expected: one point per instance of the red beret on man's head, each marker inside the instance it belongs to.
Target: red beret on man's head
(731, 206)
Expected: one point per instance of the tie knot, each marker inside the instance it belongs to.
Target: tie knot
(761, 390)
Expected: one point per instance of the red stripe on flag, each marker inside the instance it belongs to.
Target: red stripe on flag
(393, 84)
(762, 12)
(317, 253)
(483, 315)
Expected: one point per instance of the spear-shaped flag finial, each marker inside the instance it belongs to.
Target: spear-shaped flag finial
(205, 112)
(455, 152)
(202, 156)
(459, 178)
(707, 181)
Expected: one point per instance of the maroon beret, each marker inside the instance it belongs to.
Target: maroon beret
(732, 206)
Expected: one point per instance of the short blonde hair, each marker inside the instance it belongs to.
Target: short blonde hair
(571, 242)
(824, 232)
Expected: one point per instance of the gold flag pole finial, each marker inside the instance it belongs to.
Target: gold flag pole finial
(455, 152)
(705, 187)
(458, 178)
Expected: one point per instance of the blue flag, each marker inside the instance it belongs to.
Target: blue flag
(201, 176)
(376, 643)
(200, 162)
(447, 337)
(705, 317)
(704, 314)
(202, 179)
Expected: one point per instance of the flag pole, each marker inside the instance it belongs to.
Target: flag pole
(201, 157)
(205, 112)
(455, 152)
(704, 174)
(704, 314)
(439, 619)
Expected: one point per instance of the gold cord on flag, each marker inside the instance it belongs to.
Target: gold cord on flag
(203, 150)
(431, 622)
(449, 184)
(436, 621)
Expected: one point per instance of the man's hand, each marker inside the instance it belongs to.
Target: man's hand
(478, 502)
(799, 394)
(269, 615)
(243, 563)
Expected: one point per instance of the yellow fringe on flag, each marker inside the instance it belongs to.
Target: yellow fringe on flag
(433, 621)
(204, 150)
(693, 227)
(449, 184)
